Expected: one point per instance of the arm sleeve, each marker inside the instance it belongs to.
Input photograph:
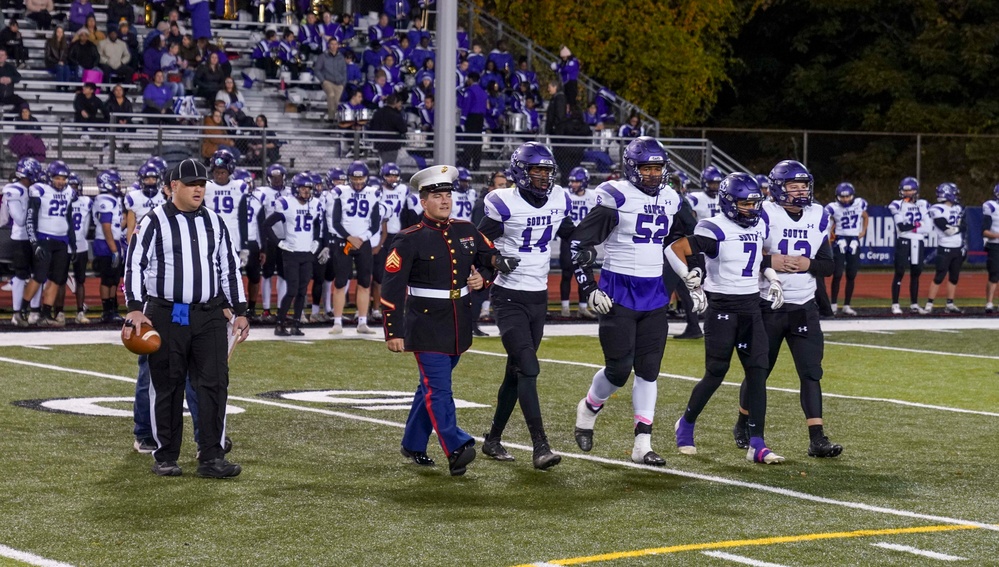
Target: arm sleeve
(31, 219)
(376, 222)
(136, 262)
(243, 223)
(229, 276)
(269, 226)
(490, 228)
(940, 223)
(565, 229)
(685, 218)
(822, 264)
(484, 252)
(337, 219)
(70, 228)
(986, 223)
(594, 229)
(319, 231)
(394, 288)
(700, 244)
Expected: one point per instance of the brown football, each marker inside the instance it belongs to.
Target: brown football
(144, 341)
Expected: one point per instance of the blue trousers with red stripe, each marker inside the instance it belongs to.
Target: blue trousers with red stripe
(433, 406)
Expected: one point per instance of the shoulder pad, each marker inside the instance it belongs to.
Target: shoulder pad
(609, 196)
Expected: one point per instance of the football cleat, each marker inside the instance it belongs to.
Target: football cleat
(18, 320)
(915, 309)
(926, 310)
(585, 420)
(741, 435)
(268, 317)
(61, 319)
(144, 446)
(33, 318)
(304, 319)
(296, 331)
(167, 468)
(847, 310)
(281, 331)
(951, 308)
(685, 437)
(48, 322)
(364, 329)
(218, 468)
(989, 308)
(418, 457)
(483, 314)
(477, 332)
(376, 315)
(319, 318)
(81, 318)
(337, 329)
(823, 448)
(643, 457)
(566, 312)
(834, 308)
(585, 313)
(895, 309)
(763, 455)
(543, 457)
(491, 447)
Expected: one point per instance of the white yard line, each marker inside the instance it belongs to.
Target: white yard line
(741, 559)
(30, 558)
(921, 552)
(36, 347)
(627, 464)
(914, 350)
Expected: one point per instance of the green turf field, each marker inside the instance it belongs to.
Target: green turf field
(323, 483)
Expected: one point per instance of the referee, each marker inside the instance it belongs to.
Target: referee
(181, 273)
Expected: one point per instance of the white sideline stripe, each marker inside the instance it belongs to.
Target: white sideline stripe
(594, 459)
(879, 332)
(944, 331)
(741, 559)
(917, 351)
(769, 388)
(916, 551)
(36, 347)
(30, 558)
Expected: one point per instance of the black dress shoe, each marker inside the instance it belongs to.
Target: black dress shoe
(477, 332)
(418, 457)
(218, 468)
(459, 459)
(166, 468)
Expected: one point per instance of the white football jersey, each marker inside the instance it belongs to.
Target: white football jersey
(911, 213)
(254, 208)
(635, 245)
(735, 270)
(413, 202)
(224, 200)
(582, 204)
(952, 214)
(991, 209)
(803, 237)
(107, 209)
(356, 211)
(394, 201)
(527, 234)
(268, 197)
(299, 221)
(462, 205)
(82, 209)
(52, 214)
(15, 198)
(848, 220)
(137, 202)
(704, 207)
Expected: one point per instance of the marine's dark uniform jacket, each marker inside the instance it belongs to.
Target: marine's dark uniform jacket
(434, 258)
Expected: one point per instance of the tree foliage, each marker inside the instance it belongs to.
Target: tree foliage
(668, 57)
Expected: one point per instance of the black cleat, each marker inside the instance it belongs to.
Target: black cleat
(281, 331)
(218, 468)
(741, 435)
(689, 334)
(651, 458)
(543, 457)
(492, 447)
(166, 468)
(296, 330)
(584, 438)
(418, 457)
(477, 332)
(460, 458)
(823, 448)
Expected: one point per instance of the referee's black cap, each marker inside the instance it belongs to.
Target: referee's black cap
(190, 171)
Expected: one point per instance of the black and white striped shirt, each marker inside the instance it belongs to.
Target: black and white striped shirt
(184, 258)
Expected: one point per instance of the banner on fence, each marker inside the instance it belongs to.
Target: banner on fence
(878, 248)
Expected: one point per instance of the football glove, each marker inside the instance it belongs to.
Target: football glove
(693, 278)
(700, 300)
(776, 294)
(507, 264)
(585, 257)
(952, 230)
(244, 257)
(854, 246)
(116, 259)
(42, 254)
(841, 244)
(324, 255)
(600, 302)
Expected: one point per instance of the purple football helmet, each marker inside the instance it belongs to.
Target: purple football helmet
(642, 151)
(276, 169)
(57, 168)
(526, 157)
(75, 183)
(28, 168)
(908, 184)
(581, 175)
(244, 175)
(464, 181)
(335, 176)
(736, 188)
(995, 191)
(223, 159)
(948, 192)
(146, 171)
(391, 169)
(159, 163)
(764, 182)
(845, 193)
(302, 185)
(709, 177)
(790, 171)
(109, 181)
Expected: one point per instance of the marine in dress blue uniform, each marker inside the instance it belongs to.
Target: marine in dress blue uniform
(436, 262)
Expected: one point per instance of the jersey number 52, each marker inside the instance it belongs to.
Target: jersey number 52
(644, 226)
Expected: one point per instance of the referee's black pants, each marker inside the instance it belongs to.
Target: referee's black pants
(200, 349)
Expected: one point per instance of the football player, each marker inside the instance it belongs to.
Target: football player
(393, 201)
(355, 227)
(303, 242)
(948, 223)
(684, 222)
(706, 203)
(251, 237)
(322, 282)
(990, 232)
(731, 245)
(911, 227)
(49, 224)
(522, 221)
(82, 217)
(463, 196)
(226, 196)
(108, 243)
(633, 219)
(798, 248)
(143, 198)
(848, 214)
(764, 181)
(15, 203)
(267, 195)
(583, 201)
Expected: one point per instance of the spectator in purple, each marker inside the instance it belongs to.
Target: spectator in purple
(57, 57)
(371, 59)
(152, 55)
(632, 128)
(354, 75)
(461, 73)
(496, 103)
(381, 31)
(605, 101)
(474, 108)
(422, 53)
(79, 10)
(157, 99)
(201, 25)
(398, 13)
(424, 88)
(393, 75)
(375, 92)
(592, 117)
(25, 143)
(425, 110)
(328, 27)
(462, 42)
(502, 58)
(345, 31)
(417, 33)
(476, 59)
(523, 74)
(205, 49)
(491, 75)
(568, 71)
(310, 38)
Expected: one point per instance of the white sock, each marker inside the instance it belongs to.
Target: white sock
(486, 304)
(282, 289)
(265, 288)
(582, 305)
(338, 321)
(565, 304)
(17, 291)
(600, 389)
(327, 296)
(36, 301)
(362, 320)
(643, 400)
(315, 309)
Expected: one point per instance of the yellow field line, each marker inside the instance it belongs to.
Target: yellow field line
(747, 542)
